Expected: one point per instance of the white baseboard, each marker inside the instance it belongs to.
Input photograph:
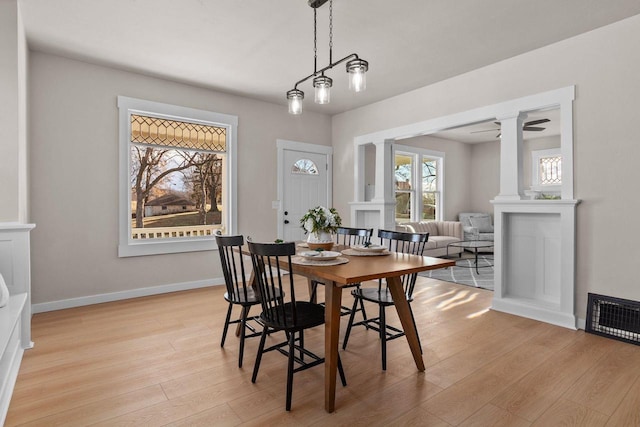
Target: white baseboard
(117, 296)
(523, 308)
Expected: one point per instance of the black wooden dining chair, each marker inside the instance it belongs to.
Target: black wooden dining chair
(292, 316)
(396, 241)
(239, 291)
(347, 236)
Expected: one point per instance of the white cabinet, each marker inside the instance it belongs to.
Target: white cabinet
(534, 250)
(15, 317)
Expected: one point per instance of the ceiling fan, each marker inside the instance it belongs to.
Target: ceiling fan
(528, 126)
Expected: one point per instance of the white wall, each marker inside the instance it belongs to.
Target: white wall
(485, 176)
(74, 176)
(604, 65)
(13, 116)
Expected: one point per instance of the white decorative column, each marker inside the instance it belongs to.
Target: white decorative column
(15, 317)
(511, 187)
(384, 171)
(380, 211)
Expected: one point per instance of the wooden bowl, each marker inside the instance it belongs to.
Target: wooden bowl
(325, 246)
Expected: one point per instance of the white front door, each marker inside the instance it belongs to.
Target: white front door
(305, 178)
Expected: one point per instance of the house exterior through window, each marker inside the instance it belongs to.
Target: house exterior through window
(177, 177)
(417, 184)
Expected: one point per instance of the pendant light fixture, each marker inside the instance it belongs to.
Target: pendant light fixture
(356, 68)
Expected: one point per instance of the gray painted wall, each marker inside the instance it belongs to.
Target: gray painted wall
(74, 176)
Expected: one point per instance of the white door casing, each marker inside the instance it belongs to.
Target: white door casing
(298, 192)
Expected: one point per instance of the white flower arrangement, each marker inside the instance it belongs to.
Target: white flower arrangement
(321, 219)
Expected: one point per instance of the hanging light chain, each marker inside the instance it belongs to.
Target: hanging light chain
(330, 31)
(315, 41)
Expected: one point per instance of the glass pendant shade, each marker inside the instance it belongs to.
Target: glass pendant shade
(357, 69)
(323, 89)
(295, 98)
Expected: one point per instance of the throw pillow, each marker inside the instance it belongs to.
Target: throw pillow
(482, 223)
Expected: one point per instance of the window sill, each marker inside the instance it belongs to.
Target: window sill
(167, 246)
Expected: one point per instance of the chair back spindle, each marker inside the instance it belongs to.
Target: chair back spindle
(353, 236)
(231, 258)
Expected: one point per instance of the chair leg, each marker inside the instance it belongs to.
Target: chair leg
(350, 324)
(256, 366)
(364, 313)
(343, 379)
(301, 345)
(226, 325)
(383, 337)
(290, 370)
(314, 292)
(243, 325)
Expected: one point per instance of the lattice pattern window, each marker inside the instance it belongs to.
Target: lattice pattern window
(173, 133)
(177, 177)
(305, 166)
(550, 170)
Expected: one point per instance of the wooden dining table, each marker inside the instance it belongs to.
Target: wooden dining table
(359, 269)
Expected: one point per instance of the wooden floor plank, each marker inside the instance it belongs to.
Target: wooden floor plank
(537, 391)
(628, 412)
(491, 415)
(567, 413)
(104, 409)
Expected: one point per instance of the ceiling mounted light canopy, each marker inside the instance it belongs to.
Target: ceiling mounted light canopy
(356, 68)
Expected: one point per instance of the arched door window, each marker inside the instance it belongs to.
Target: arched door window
(304, 166)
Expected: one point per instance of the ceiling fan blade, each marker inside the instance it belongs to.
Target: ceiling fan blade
(533, 128)
(488, 130)
(536, 122)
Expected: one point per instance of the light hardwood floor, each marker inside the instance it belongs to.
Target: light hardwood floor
(157, 361)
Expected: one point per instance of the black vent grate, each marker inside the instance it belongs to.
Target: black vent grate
(614, 317)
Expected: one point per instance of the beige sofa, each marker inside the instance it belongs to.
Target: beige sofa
(441, 233)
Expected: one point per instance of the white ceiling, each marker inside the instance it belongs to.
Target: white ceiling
(260, 48)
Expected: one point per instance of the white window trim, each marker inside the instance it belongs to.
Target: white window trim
(127, 246)
(416, 185)
(536, 155)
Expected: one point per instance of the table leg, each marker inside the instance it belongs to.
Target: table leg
(477, 272)
(333, 301)
(404, 313)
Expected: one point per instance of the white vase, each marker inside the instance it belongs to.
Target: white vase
(4, 292)
(320, 237)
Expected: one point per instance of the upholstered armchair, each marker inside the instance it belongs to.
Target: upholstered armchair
(476, 226)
